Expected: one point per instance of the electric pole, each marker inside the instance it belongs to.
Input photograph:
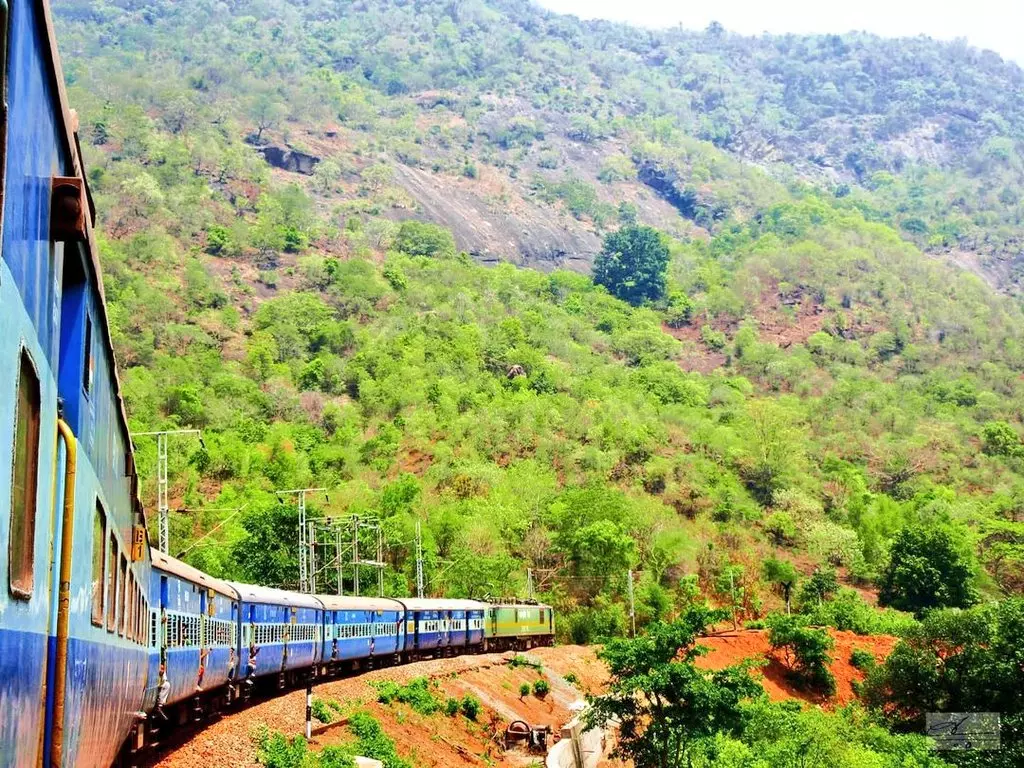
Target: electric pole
(632, 605)
(162, 482)
(419, 561)
(305, 542)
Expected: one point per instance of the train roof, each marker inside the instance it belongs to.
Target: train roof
(251, 593)
(185, 571)
(440, 604)
(68, 128)
(518, 604)
(352, 603)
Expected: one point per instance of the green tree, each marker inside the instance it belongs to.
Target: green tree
(666, 706)
(958, 661)
(632, 264)
(420, 238)
(805, 652)
(929, 567)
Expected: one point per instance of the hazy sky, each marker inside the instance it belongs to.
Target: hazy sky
(995, 24)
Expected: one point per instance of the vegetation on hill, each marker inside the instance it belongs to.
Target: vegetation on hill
(768, 397)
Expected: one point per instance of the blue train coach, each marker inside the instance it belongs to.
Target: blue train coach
(74, 645)
(358, 630)
(196, 635)
(281, 633)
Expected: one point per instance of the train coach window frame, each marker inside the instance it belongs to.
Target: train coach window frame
(112, 584)
(24, 480)
(122, 592)
(99, 569)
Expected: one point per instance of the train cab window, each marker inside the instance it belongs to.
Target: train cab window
(99, 528)
(21, 546)
(112, 586)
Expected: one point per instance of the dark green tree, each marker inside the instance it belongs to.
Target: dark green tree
(665, 705)
(805, 651)
(420, 238)
(268, 553)
(632, 264)
(929, 567)
(958, 661)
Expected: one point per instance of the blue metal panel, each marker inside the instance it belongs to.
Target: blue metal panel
(21, 693)
(33, 156)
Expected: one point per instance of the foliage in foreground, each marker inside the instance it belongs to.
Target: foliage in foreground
(674, 715)
(274, 750)
(664, 704)
(958, 661)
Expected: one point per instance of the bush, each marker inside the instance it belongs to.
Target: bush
(805, 651)
(519, 661)
(470, 706)
(372, 742)
(862, 659)
(524, 690)
(419, 238)
(541, 688)
(451, 707)
(570, 677)
(418, 694)
(847, 610)
(321, 711)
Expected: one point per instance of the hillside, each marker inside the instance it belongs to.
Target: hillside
(810, 386)
(528, 133)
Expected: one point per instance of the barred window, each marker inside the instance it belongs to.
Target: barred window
(112, 585)
(99, 551)
(21, 543)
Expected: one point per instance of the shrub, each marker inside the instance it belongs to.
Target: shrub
(470, 706)
(570, 677)
(805, 651)
(541, 688)
(847, 610)
(372, 742)
(321, 711)
(418, 694)
(419, 238)
(862, 659)
(451, 707)
(524, 690)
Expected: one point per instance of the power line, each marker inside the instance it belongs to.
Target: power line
(235, 512)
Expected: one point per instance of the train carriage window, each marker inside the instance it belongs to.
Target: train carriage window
(99, 529)
(21, 546)
(112, 585)
(122, 590)
(87, 369)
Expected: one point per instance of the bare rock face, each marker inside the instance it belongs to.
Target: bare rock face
(288, 159)
(492, 230)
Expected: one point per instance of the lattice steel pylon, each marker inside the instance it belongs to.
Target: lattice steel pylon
(162, 480)
(334, 543)
(306, 583)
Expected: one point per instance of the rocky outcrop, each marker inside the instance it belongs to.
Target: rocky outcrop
(288, 159)
(526, 233)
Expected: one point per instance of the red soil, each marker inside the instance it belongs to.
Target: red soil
(733, 647)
